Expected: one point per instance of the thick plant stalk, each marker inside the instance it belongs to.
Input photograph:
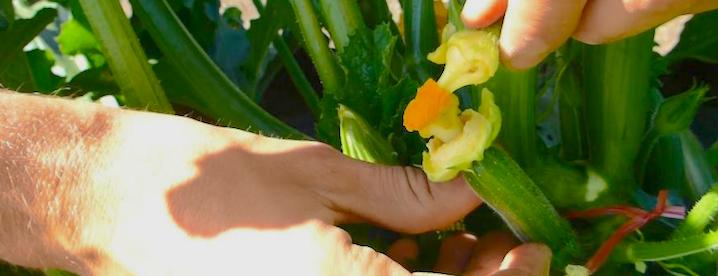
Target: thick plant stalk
(316, 45)
(616, 79)
(343, 18)
(421, 37)
(125, 56)
(516, 96)
(219, 96)
(504, 186)
(574, 144)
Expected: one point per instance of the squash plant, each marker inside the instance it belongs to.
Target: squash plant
(583, 152)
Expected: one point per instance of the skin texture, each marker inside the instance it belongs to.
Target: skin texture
(101, 191)
(534, 28)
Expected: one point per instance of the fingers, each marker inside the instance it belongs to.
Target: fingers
(455, 253)
(528, 259)
(482, 13)
(404, 251)
(534, 28)
(401, 198)
(363, 260)
(629, 17)
(489, 253)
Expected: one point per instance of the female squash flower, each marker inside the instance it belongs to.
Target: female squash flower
(471, 57)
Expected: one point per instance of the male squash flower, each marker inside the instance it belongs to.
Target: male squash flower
(457, 138)
(471, 57)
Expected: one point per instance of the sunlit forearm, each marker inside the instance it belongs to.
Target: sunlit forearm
(46, 145)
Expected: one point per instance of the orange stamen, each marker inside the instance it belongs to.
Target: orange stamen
(430, 101)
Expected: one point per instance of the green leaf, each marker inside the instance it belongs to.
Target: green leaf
(699, 39)
(263, 31)
(229, 52)
(222, 99)
(76, 38)
(41, 63)
(18, 76)
(676, 113)
(713, 155)
(98, 80)
(7, 14)
(700, 176)
(365, 61)
(21, 33)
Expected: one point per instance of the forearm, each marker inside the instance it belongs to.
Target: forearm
(46, 147)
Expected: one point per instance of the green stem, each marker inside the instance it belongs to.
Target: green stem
(219, 97)
(125, 56)
(300, 80)
(616, 79)
(421, 37)
(455, 15)
(343, 18)
(516, 96)
(316, 45)
(700, 216)
(644, 154)
(504, 186)
(700, 176)
(574, 144)
(676, 248)
(377, 12)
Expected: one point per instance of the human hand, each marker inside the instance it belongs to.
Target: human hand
(534, 28)
(167, 195)
(494, 254)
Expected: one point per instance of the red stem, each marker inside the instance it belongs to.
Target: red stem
(637, 219)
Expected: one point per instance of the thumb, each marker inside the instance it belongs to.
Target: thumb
(400, 198)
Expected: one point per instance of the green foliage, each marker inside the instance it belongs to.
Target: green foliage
(364, 62)
(7, 14)
(713, 155)
(699, 39)
(21, 33)
(126, 59)
(676, 113)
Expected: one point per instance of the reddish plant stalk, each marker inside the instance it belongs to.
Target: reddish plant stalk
(637, 218)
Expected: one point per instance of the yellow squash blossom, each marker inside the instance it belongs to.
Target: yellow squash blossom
(456, 138)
